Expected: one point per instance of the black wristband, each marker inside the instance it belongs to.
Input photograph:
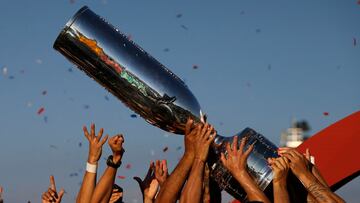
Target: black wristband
(111, 163)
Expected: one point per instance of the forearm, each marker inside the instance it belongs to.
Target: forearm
(103, 189)
(281, 194)
(321, 179)
(252, 190)
(315, 188)
(87, 188)
(173, 184)
(192, 190)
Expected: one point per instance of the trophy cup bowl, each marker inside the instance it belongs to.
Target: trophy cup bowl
(152, 90)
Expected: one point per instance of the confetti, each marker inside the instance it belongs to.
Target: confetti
(74, 174)
(121, 177)
(80, 144)
(248, 84)
(72, 1)
(11, 77)
(53, 146)
(165, 149)
(242, 12)
(41, 110)
(258, 30)
(38, 61)
(184, 27)
(195, 66)
(179, 15)
(86, 106)
(44, 92)
(106, 98)
(129, 37)
(4, 70)
(178, 148)
(70, 70)
(152, 152)
(269, 67)
(326, 113)
(354, 41)
(128, 166)
(166, 50)
(22, 71)
(133, 115)
(45, 119)
(29, 104)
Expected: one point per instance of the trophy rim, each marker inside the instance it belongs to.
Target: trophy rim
(68, 25)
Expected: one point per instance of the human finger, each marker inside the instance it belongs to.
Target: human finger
(100, 133)
(157, 166)
(104, 139)
(212, 137)
(52, 183)
(249, 150)
(282, 162)
(242, 144)
(61, 194)
(204, 129)
(45, 196)
(234, 146)
(92, 130)
(164, 166)
(150, 170)
(222, 158)
(86, 133)
(188, 125)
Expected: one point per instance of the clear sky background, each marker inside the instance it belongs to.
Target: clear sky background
(260, 64)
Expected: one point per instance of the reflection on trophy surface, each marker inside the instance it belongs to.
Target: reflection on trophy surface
(153, 91)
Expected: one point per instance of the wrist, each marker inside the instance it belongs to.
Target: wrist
(116, 157)
(92, 161)
(91, 168)
(199, 159)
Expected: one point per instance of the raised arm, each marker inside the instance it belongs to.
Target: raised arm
(95, 150)
(104, 187)
(193, 188)
(280, 167)
(236, 162)
(170, 189)
(300, 167)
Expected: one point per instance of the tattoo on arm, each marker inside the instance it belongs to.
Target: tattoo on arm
(320, 193)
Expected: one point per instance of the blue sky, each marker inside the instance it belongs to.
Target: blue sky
(260, 64)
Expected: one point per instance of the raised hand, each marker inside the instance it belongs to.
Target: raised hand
(298, 163)
(280, 167)
(205, 135)
(189, 137)
(95, 143)
(161, 171)
(149, 186)
(116, 195)
(236, 159)
(116, 145)
(51, 194)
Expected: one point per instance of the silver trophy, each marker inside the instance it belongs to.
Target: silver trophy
(152, 90)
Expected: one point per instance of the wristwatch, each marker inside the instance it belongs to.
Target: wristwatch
(111, 163)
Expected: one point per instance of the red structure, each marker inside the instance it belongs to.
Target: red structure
(336, 150)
